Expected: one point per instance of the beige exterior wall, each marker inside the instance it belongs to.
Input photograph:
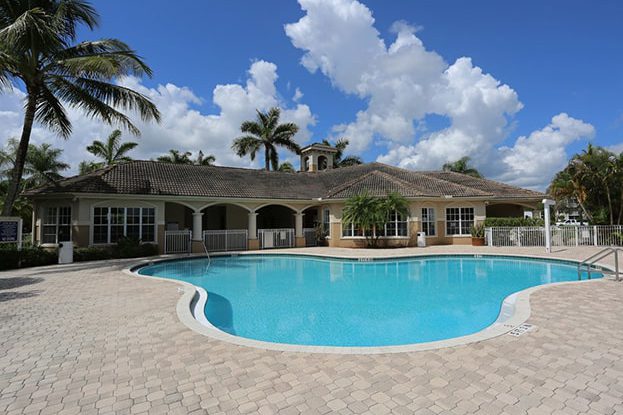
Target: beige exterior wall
(180, 211)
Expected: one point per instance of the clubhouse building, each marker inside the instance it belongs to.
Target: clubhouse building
(181, 208)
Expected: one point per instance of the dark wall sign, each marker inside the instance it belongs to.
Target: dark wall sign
(9, 230)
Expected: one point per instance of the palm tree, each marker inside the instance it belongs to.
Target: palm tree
(43, 165)
(287, 167)
(371, 213)
(113, 150)
(176, 157)
(202, 160)
(462, 166)
(86, 167)
(338, 159)
(268, 133)
(38, 51)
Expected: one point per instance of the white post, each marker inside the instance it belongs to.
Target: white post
(197, 226)
(548, 232)
(298, 224)
(252, 225)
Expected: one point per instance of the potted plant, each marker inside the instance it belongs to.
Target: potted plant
(478, 234)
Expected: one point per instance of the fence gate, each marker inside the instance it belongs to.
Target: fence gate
(276, 238)
(177, 242)
(310, 236)
(226, 240)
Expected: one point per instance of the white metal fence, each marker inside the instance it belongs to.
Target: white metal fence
(598, 235)
(276, 238)
(310, 236)
(226, 240)
(177, 242)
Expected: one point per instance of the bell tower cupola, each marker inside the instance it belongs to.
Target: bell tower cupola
(316, 157)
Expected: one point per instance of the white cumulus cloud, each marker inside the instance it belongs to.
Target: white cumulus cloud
(534, 159)
(403, 83)
(183, 125)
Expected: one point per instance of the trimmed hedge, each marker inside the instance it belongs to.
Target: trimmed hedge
(125, 248)
(34, 255)
(28, 256)
(513, 222)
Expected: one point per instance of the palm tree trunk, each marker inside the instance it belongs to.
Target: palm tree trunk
(267, 158)
(20, 157)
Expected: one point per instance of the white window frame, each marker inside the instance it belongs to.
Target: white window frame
(464, 229)
(431, 219)
(352, 228)
(55, 222)
(397, 222)
(326, 222)
(109, 225)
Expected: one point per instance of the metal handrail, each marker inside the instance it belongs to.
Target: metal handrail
(205, 248)
(591, 260)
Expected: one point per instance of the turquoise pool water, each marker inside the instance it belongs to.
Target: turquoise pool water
(335, 302)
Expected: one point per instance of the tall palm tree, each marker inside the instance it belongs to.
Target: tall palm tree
(268, 133)
(113, 150)
(462, 166)
(339, 160)
(38, 51)
(176, 157)
(202, 160)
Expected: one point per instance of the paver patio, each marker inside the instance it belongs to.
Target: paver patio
(88, 338)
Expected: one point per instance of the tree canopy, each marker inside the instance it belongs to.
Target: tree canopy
(266, 132)
(38, 51)
(594, 179)
(462, 166)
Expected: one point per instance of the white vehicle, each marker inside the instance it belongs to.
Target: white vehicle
(571, 222)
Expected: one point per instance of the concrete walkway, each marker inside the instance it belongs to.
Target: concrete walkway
(90, 339)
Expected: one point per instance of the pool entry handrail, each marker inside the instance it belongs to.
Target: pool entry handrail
(205, 248)
(591, 260)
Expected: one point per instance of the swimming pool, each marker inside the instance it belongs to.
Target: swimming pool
(315, 301)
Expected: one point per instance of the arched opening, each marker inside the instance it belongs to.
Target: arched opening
(306, 162)
(225, 217)
(275, 227)
(177, 217)
(323, 163)
(275, 217)
(225, 227)
(178, 220)
(313, 227)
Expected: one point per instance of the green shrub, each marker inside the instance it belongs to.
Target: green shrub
(478, 231)
(92, 254)
(125, 248)
(513, 222)
(28, 256)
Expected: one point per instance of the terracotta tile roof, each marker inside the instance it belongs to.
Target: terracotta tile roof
(154, 178)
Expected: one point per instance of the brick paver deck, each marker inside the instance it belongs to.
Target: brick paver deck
(90, 339)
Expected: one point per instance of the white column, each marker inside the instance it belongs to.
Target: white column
(197, 226)
(252, 225)
(548, 232)
(298, 224)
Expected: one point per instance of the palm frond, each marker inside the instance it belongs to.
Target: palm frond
(251, 127)
(50, 112)
(246, 145)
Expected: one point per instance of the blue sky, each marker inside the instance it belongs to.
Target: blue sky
(556, 57)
